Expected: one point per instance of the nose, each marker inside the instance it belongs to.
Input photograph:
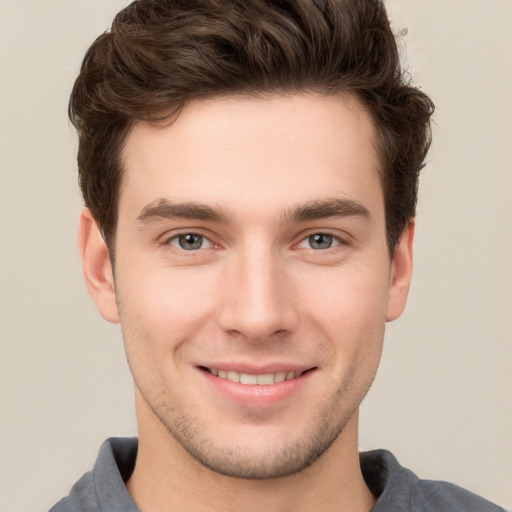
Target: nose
(258, 298)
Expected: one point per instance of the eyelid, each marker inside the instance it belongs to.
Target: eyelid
(206, 242)
(339, 238)
(175, 234)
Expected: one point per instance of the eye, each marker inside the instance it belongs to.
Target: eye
(190, 242)
(320, 241)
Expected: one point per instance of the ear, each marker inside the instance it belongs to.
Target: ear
(401, 272)
(96, 267)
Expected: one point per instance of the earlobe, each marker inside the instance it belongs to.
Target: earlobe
(96, 267)
(401, 272)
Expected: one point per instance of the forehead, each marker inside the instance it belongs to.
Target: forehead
(250, 153)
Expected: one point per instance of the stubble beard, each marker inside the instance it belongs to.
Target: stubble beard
(274, 461)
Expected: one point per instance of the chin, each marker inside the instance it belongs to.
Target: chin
(257, 453)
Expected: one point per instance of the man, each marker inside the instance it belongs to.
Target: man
(249, 170)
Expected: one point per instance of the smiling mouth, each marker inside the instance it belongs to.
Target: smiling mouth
(265, 379)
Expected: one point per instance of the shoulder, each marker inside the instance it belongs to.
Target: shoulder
(81, 498)
(399, 489)
(440, 496)
(103, 488)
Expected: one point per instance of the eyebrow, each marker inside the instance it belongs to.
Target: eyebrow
(313, 210)
(165, 209)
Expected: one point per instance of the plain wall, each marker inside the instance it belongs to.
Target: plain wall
(442, 399)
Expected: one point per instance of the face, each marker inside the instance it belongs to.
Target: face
(252, 277)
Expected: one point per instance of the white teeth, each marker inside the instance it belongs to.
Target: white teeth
(280, 377)
(245, 378)
(252, 380)
(233, 376)
(268, 378)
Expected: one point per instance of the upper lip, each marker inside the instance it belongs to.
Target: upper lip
(257, 369)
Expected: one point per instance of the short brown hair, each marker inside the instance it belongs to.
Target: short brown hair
(161, 54)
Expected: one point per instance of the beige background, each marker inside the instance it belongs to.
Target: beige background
(442, 399)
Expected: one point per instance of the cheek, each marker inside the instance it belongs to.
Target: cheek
(161, 310)
(347, 297)
(349, 308)
(165, 295)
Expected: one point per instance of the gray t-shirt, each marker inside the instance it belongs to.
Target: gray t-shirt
(397, 488)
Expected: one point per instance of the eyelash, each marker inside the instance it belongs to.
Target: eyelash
(178, 236)
(335, 239)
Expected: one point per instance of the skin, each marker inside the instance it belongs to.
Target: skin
(254, 180)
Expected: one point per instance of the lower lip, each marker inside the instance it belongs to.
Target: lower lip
(258, 396)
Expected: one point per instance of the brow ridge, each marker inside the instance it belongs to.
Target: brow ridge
(165, 209)
(312, 210)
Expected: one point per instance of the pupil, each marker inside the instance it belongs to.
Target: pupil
(190, 241)
(320, 241)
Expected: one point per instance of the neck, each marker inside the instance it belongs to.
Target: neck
(166, 477)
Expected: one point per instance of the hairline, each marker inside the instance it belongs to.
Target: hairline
(168, 116)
